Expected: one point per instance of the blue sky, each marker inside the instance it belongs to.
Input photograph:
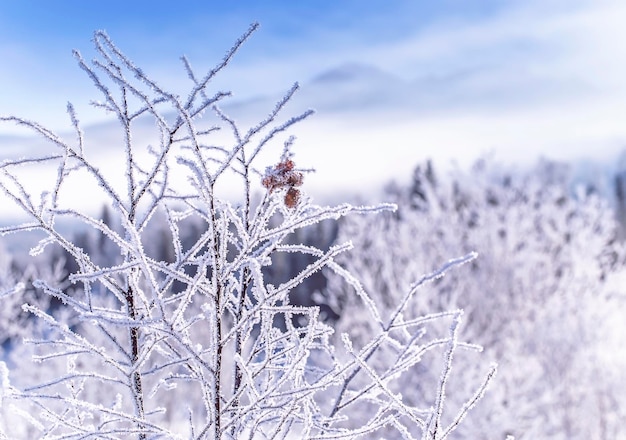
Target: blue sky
(394, 82)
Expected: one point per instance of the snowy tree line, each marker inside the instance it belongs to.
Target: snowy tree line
(545, 296)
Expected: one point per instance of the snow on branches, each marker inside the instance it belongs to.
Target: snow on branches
(157, 336)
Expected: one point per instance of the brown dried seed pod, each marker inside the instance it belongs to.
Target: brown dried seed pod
(283, 175)
(295, 179)
(272, 182)
(286, 165)
(292, 197)
(268, 182)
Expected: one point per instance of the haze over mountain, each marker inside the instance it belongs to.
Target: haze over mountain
(373, 126)
(391, 86)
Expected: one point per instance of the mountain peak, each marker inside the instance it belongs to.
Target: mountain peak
(351, 72)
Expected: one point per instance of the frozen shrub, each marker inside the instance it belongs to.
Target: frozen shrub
(187, 339)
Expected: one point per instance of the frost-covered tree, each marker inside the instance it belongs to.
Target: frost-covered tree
(162, 337)
(540, 298)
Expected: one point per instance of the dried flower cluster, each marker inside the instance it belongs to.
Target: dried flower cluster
(283, 175)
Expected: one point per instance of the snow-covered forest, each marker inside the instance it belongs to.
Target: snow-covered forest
(472, 304)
